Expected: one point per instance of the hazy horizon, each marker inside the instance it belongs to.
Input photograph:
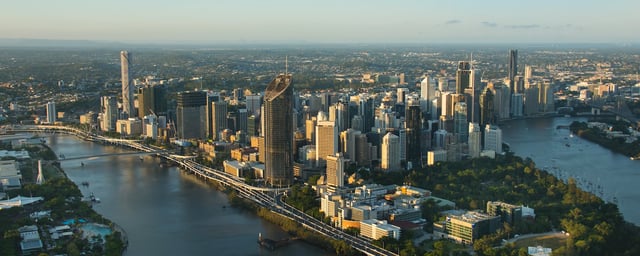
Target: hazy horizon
(326, 22)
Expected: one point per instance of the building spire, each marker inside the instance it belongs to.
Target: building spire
(286, 65)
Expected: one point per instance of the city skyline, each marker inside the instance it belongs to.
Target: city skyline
(327, 22)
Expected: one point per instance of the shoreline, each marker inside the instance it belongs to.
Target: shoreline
(112, 225)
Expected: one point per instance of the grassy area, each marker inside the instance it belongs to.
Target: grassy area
(549, 241)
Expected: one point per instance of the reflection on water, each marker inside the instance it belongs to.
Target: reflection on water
(163, 210)
(609, 175)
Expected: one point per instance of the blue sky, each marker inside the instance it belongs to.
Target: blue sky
(326, 21)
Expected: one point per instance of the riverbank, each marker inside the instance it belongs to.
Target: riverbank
(61, 202)
(595, 135)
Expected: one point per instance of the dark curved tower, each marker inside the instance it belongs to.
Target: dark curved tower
(278, 134)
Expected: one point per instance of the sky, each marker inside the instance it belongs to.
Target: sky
(325, 21)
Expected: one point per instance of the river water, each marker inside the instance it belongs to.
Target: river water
(611, 176)
(163, 210)
(167, 212)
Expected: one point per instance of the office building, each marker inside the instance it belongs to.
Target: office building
(487, 113)
(191, 115)
(464, 77)
(509, 213)
(51, 112)
(335, 171)
(348, 143)
(152, 100)
(376, 229)
(390, 149)
(517, 103)
(253, 103)
(493, 138)
(109, 113)
(413, 128)
(127, 87)
(531, 100)
(326, 141)
(467, 227)
(460, 124)
(475, 140)
(218, 118)
(278, 131)
(513, 69)
(434, 156)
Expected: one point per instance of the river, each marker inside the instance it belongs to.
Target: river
(611, 176)
(165, 211)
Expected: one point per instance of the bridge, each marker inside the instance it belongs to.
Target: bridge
(63, 158)
(270, 198)
(618, 108)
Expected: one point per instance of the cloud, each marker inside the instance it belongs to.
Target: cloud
(528, 26)
(451, 22)
(489, 24)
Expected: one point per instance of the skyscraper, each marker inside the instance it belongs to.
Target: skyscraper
(278, 131)
(464, 77)
(191, 115)
(326, 141)
(487, 112)
(474, 140)
(335, 171)
(127, 89)
(109, 113)
(460, 124)
(513, 68)
(390, 159)
(413, 127)
(218, 118)
(51, 112)
(152, 99)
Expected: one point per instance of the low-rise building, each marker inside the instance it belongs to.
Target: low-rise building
(31, 242)
(376, 229)
(466, 227)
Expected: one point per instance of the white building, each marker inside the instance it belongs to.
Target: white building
(390, 159)
(376, 229)
(475, 140)
(51, 112)
(493, 138)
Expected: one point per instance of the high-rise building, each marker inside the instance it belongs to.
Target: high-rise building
(493, 138)
(364, 151)
(348, 142)
(413, 127)
(127, 87)
(51, 112)
(335, 170)
(390, 148)
(253, 103)
(191, 115)
(475, 139)
(278, 131)
(218, 118)
(487, 114)
(326, 141)
(464, 77)
(109, 113)
(517, 102)
(531, 100)
(339, 113)
(152, 99)
(460, 124)
(513, 68)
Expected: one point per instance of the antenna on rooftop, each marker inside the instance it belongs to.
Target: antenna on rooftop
(286, 65)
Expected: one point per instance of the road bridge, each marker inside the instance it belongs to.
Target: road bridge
(270, 198)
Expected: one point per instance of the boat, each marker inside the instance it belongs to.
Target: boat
(635, 158)
(141, 158)
(93, 198)
(567, 145)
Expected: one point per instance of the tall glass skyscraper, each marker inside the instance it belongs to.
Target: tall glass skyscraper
(278, 133)
(127, 89)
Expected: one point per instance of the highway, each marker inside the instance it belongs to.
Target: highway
(270, 198)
